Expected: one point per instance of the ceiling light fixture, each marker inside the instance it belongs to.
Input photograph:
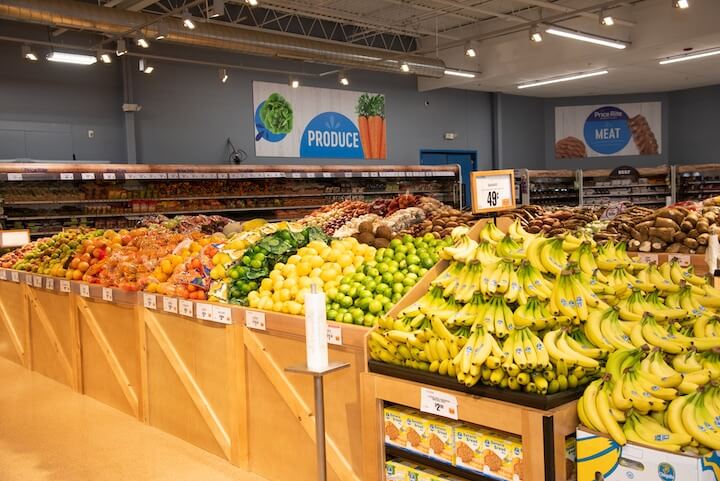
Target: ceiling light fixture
(104, 57)
(690, 56)
(141, 42)
(586, 37)
(121, 47)
(343, 79)
(28, 53)
(162, 31)
(187, 20)
(294, 83)
(73, 58)
(470, 51)
(459, 73)
(217, 9)
(145, 67)
(405, 67)
(223, 75)
(536, 35)
(606, 19)
(681, 4)
(567, 78)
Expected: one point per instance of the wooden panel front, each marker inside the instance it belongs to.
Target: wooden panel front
(14, 328)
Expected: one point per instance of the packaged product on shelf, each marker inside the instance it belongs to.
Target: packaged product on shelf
(571, 458)
(417, 429)
(395, 425)
(441, 439)
(468, 446)
(502, 455)
(396, 470)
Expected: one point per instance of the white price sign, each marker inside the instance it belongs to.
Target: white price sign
(84, 290)
(37, 282)
(170, 304)
(15, 276)
(204, 312)
(14, 177)
(50, 283)
(87, 176)
(648, 258)
(3, 274)
(107, 294)
(28, 279)
(186, 308)
(221, 314)
(255, 320)
(149, 301)
(64, 286)
(334, 335)
(438, 403)
(67, 176)
(492, 190)
(108, 175)
(683, 259)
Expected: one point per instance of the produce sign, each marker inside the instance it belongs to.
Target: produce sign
(608, 130)
(312, 122)
(493, 190)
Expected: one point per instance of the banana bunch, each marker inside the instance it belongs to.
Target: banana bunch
(496, 317)
(605, 330)
(532, 281)
(463, 283)
(501, 278)
(645, 429)
(563, 348)
(534, 314)
(462, 250)
(518, 234)
(485, 253)
(707, 326)
(507, 247)
(698, 416)
(584, 258)
(472, 357)
(572, 298)
(610, 256)
(490, 233)
(670, 338)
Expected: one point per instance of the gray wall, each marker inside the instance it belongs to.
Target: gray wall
(521, 136)
(606, 162)
(694, 125)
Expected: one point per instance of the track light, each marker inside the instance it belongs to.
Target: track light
(567, 78)
(470, 51)
(690, 56)
(294, 83)
(104, 57)
(223, 75)
(187, 20)
(606, 19)
(162, 31)
(252, 3)
(141, 42)
(217, 9)
(28, 54)
(343, 79)
(459, 73)
(145, 67)
(536, 35)
(121, 47)
(586, 37)
(681, 4)
(405, 67)
(73, 58)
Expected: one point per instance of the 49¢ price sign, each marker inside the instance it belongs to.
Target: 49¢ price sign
(492, 190)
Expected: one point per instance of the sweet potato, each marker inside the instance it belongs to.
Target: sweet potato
(663, 233)
(703, 239)
(686, 225)
(702, 226)
(666, 222)
(673, 248)
(679, 236)
(690, 242)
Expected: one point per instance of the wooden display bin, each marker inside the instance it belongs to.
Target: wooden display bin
(14, 321)
(543, 432)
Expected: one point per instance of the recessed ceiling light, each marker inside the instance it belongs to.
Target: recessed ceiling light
(28, 53)
(566, 78)
(73, 58)
(690, 56)
(586, 37)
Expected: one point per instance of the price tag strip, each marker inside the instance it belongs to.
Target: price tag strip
(15, 276)
(648, 258)
(85, 290)
(107, 294)
(492, 190)
(438, 403)
(222, 314)
(334, 335)
(50, 283)
(255, 320)
(170, 304)
(204, 311)
(683, 259)
(149, 301)
(3, 274)
(38, 282)
(64, 286)
(186, 308)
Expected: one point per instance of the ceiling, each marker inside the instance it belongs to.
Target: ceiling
(498, 30)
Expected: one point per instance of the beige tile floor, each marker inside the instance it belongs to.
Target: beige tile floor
(50, 433)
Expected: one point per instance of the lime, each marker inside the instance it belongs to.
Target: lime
(259, 257)
(409, 281)
(398, 277)
(412, 259)
(397, 296)
(395, 243)
(346, 301)
(375, 306)
(256, 264)
(422, 272)
(407, 238)
(234, 273)
(428, 237)
(413, 269)
(353, 292)
(246, 260)
(363, 303)
(401, 249)
(344, 288)
(397, 287)
(358, 316)
(369, 320)
(331, 314)
(335, 305)
(402, 264)
(347, 318)
(372, 272)
(387, 277)
(382, 267)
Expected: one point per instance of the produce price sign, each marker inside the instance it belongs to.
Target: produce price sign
(438, 403)
(492, 190)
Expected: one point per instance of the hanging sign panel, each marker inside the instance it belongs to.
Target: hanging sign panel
(309, 122)
(492, 190)
(608, 130)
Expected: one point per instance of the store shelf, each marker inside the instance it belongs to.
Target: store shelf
(395, 452)
(629, 194)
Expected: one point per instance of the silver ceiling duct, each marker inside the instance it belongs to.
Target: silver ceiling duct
(86, 16)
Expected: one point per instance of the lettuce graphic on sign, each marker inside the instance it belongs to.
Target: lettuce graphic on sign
(274, 118)
(606, 130)
(331, 135)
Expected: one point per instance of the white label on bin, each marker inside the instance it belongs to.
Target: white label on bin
(67, 176)
(64, 286)
(50, 283)
(204, 311)
(683, 259)
(87, 176)
(149, 301)
(108, 175)
(186, 308)
(255, 320)
(15, 276)
(170, 304)
(107, 294)
(3, 274)
(327, 175)
(84, 290)
(334, 335)
(221, 314)
(222, 175)
(28, 279)
(37, 281)
(438, 403)
(14, 177)
(648, 258)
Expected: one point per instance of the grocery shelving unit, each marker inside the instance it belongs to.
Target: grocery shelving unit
(522, 186)
(697, 182)
(45, 198)
(553, 187)
(652, 188)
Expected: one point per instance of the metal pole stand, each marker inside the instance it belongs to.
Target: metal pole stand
(319, 409)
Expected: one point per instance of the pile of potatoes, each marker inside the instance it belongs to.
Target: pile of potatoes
(673, 230)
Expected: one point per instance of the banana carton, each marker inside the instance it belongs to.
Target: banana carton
(396, 470)
(601, 458)
(441, 439)
(468, 445)
(501, 455)
(394, 417)
(417, 428)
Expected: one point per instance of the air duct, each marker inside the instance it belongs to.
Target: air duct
(86, 16)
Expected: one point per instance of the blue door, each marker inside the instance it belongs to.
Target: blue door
(466, 159)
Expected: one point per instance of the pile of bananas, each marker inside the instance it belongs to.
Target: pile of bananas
(526, 312)
(642, 398)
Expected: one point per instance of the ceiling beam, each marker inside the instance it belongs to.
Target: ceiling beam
(563, 8)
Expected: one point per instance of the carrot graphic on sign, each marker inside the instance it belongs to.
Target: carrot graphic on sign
(371, 122)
